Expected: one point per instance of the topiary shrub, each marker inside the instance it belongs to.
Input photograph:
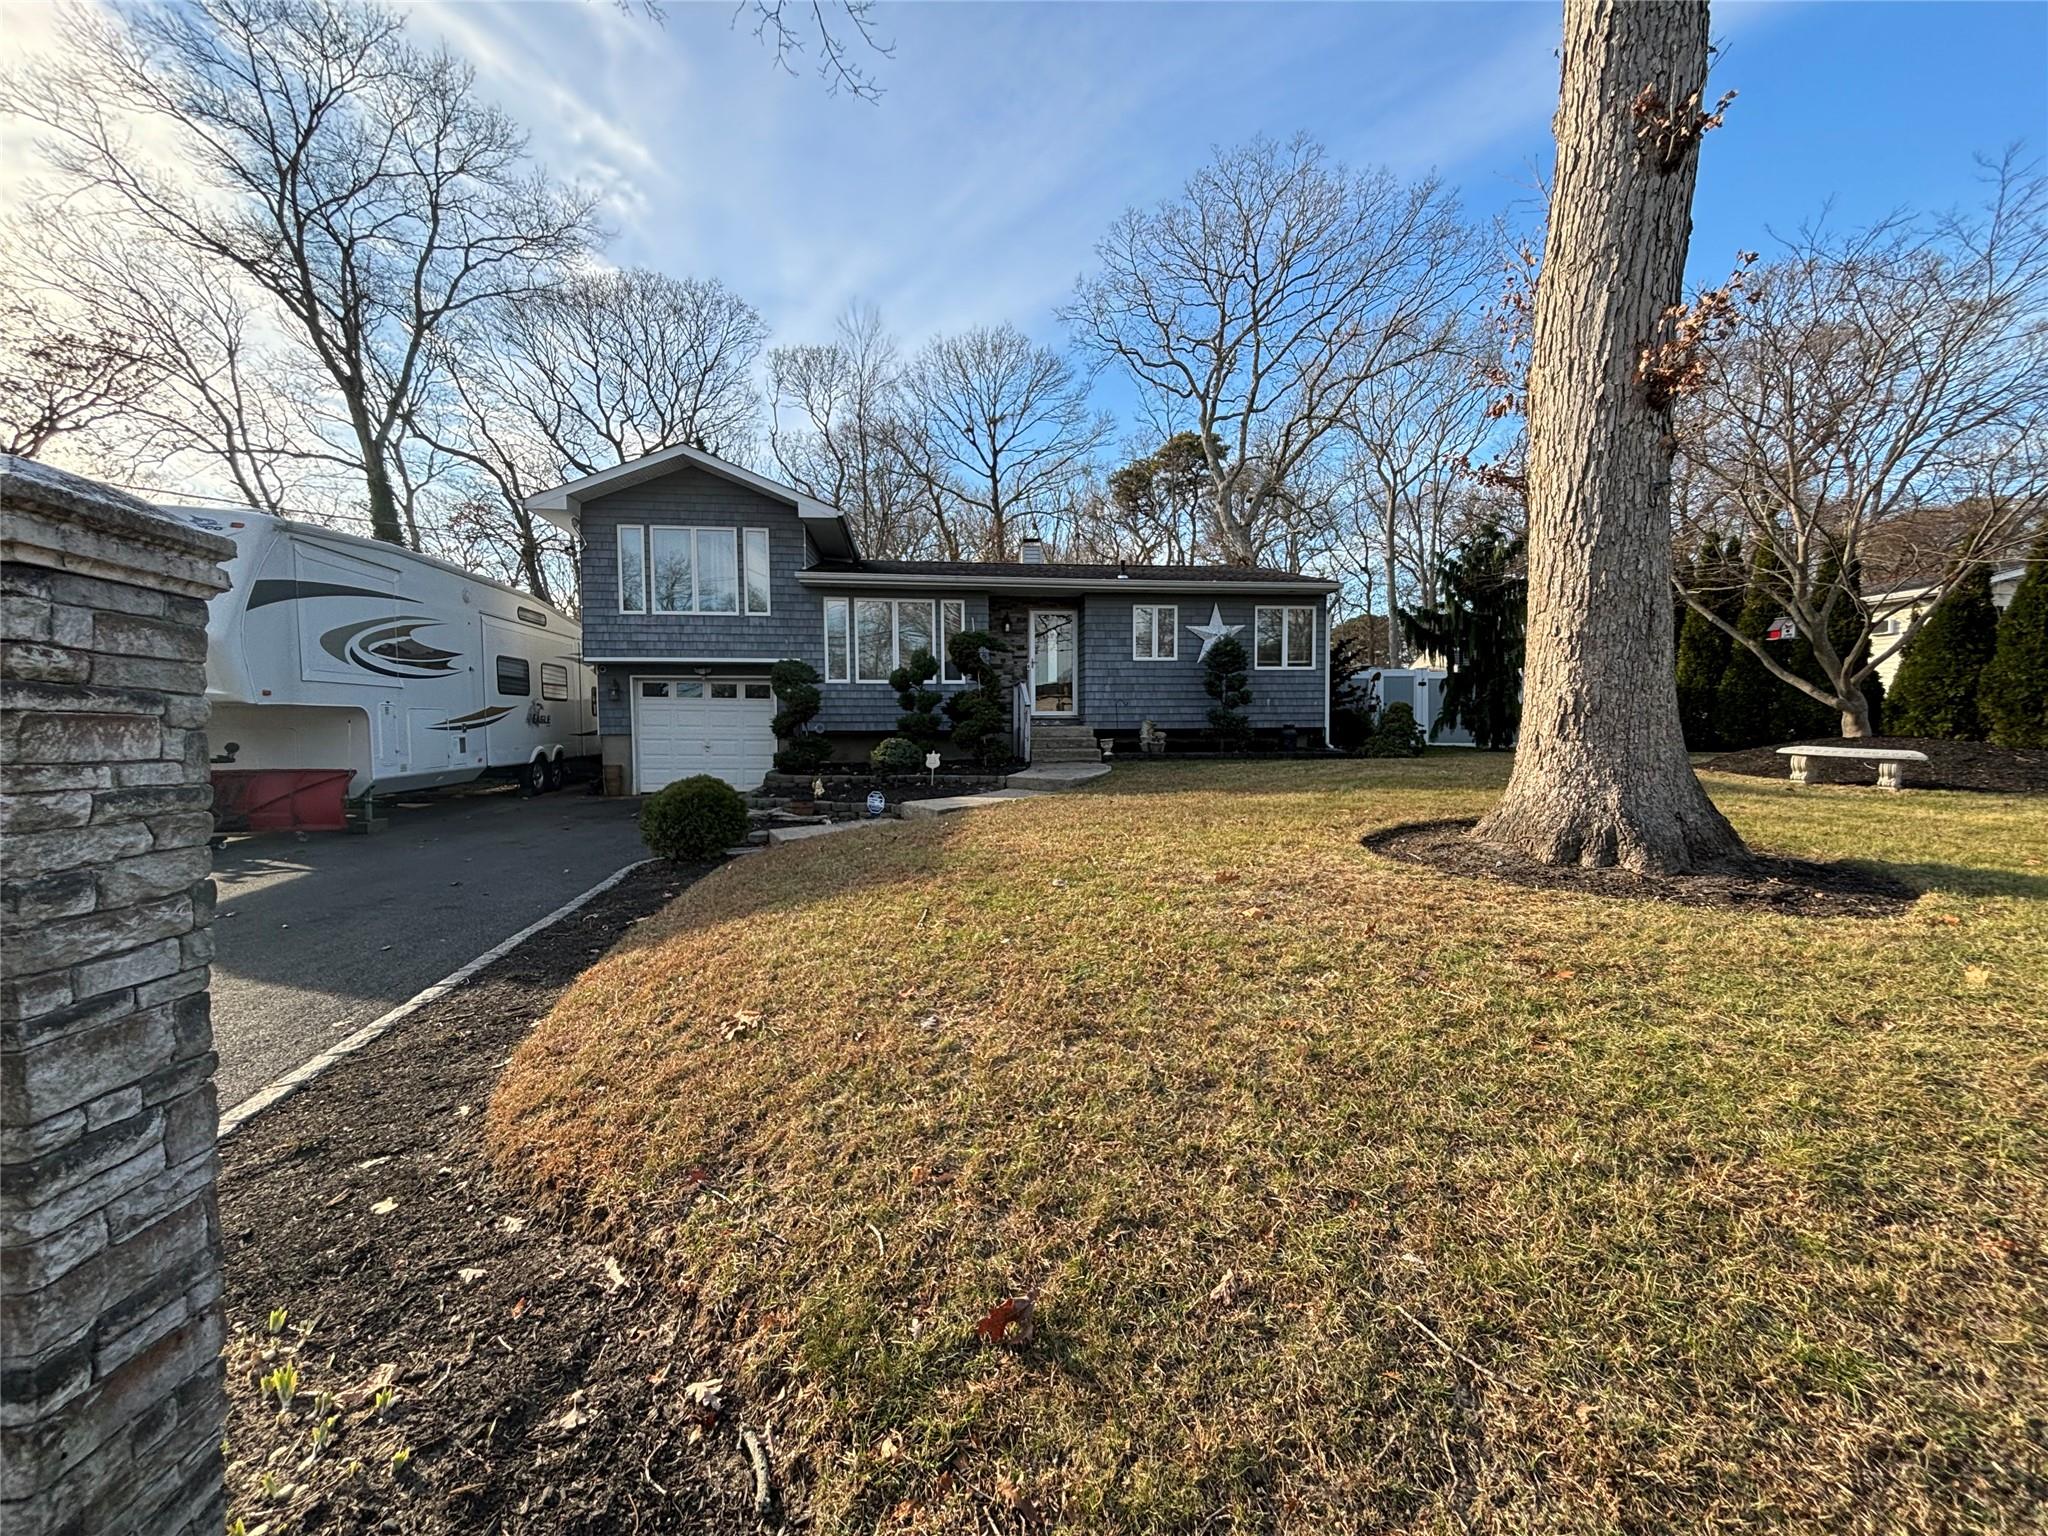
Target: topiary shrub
(920, 720)
(897, 754)
(693, 819)
(796, 688)
(1396, 734)
(1223, 677)
(980, 713)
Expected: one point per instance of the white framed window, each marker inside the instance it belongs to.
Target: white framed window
(838, 640)
(674, 568)
(757, 570)
(952, 621)
(554, 680)
(1284, 637)
(632, 568)
(887, 632)
(718, 570)
(687, 570)
(1155, 632)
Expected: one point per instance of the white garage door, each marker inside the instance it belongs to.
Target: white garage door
(689, 725)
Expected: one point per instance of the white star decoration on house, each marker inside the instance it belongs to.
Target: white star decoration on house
(1212, 631)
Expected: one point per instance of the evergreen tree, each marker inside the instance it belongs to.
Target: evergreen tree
(1746, 699)
(1223, 676)
(1703, 647)
(1935, 692)
(2012, 695)
(1477, 626)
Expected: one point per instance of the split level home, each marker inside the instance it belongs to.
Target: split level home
(698, 576)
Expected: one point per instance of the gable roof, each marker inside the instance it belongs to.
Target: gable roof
(561, 504)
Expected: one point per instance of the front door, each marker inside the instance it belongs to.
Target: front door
(1053, 650)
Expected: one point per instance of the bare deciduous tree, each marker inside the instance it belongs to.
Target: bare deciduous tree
(999, 430)
(600, 368)
(226, 393)
(1413, 433)
(356, 181)
(836, 433)
(1601, 776)
(1882, 409)
(1255, 306)
(842, 31)
(61, 375)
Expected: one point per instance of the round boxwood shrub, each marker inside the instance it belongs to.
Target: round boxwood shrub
(897, 754)
(693, 819)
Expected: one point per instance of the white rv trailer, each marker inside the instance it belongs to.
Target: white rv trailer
(330, 651)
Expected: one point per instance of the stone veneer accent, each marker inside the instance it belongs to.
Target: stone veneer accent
(111, 1398)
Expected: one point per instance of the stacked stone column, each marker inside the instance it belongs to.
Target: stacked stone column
(111, 1401)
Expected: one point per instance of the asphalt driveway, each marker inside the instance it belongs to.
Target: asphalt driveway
(314, 938)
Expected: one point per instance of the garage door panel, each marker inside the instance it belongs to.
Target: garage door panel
(686, 726)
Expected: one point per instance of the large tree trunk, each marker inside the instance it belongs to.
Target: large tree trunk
(1600, 773)
(1855, 709)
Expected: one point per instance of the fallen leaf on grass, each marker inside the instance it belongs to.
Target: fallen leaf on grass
(469, 1276)
(1976, 978)
(1226, 1289)
(385, 1206)
(614, 1274)
(1007, 1322)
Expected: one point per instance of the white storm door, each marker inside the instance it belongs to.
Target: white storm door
(1053, 632)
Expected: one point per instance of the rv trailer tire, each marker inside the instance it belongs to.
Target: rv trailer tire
(558, 773)
(536, 780)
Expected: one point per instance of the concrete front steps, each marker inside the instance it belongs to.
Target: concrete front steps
(1063, 744)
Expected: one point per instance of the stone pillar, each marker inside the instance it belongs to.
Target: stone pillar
(111, 1398)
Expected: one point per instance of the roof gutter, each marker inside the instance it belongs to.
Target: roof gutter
(1025, 585)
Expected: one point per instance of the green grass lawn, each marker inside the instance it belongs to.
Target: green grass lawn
(1355, 1197)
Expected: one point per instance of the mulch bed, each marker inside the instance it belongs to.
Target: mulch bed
(1793, 887)
(1973, 765)
(533, 1384)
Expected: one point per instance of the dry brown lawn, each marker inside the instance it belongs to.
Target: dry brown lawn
(1353, 1197)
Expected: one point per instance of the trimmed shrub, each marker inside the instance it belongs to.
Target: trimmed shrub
(796, 688)
(897, 754)
(980, 713)
(1935, 692)
(1350, 728)
(1396, 735)
(693, 819)
(920, 702)
(2012, 695)
(1223, 676)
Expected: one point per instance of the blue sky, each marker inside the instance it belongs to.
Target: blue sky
(1010, 135)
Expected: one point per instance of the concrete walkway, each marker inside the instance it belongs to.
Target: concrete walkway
(1026, 785)
(1055, 776)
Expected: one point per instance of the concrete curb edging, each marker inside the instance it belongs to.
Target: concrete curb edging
(284, 1087)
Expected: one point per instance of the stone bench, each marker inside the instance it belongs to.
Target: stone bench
(1891, 761)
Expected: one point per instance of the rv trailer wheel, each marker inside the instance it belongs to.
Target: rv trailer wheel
(535, 779)
(558, 775)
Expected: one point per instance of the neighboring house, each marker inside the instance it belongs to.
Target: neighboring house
(1896, 608)
(698, 576)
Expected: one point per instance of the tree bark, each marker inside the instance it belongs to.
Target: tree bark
(1601, 776)
(1855, 710)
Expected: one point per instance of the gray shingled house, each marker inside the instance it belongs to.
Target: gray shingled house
(698, 576)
